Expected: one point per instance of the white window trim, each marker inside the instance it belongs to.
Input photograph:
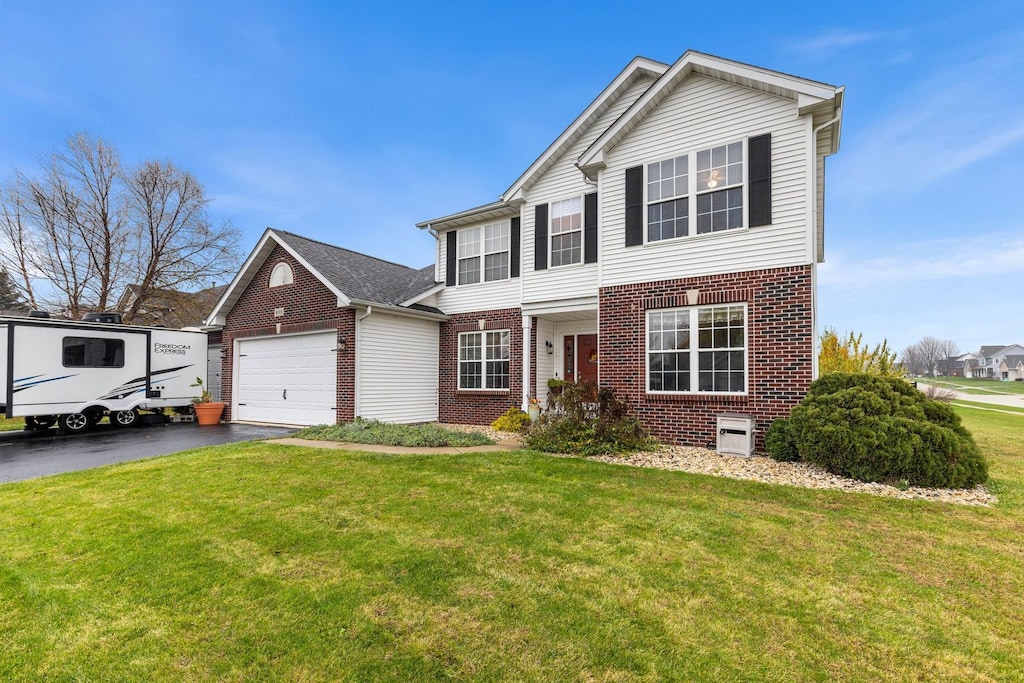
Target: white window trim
(695, 350)
(482, 361)
(287, 277)
(551, 233)
(483, 254)
(691, 192)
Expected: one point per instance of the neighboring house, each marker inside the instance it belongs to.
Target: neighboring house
(990, 359)
(169, 307)
(956, 368)
(1011, 367)
(175, 309)
(665, 245)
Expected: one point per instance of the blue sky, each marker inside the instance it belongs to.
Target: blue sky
(350, 122)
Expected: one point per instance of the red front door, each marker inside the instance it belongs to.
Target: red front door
(580, 354)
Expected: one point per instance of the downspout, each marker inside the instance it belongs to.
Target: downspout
(357, 344)
(587, 179)
(814, 231)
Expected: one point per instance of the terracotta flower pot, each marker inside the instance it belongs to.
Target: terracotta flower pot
(208, 413)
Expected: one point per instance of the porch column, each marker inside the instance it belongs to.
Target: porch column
(527, 327)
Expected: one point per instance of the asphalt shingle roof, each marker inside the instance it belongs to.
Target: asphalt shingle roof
(361, 277)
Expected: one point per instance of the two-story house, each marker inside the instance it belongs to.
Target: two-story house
(664, 245)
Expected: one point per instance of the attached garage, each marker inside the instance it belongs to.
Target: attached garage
(289, 379)
(317, 334)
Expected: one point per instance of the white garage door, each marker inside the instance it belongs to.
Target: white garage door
(288, 380)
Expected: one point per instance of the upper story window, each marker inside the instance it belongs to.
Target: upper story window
(668, 206)
(713, 177)
(712, 360)
(484, 252)
(567, 231)
(281, 275)
(720, 188)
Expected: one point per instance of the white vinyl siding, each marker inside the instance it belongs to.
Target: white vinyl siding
(502, 293)
(559, 182)
(701, 114)
(398, 369)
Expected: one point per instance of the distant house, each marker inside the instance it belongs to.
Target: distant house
(991, 357)
(176, 309)
(1012, 367)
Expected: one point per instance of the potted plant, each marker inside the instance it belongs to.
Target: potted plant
(208, 412)
(533, 409)
(555, 386)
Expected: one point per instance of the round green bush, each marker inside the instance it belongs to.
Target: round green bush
(780, 441)
(514, 420)
(875, 428)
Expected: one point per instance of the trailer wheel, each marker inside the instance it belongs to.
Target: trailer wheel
(74, 423)
(39, 423)
(124, 418)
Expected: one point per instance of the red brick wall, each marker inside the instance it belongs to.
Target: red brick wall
(308, 306)
(479, 407)
(779, 349)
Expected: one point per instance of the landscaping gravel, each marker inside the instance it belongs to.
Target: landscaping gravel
(763, 469)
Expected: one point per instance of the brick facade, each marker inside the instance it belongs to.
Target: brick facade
(475, 406)
(308, 305)
(780, 347)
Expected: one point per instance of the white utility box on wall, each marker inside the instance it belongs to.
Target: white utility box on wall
(736, 434)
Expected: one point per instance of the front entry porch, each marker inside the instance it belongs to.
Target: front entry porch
(566, 349)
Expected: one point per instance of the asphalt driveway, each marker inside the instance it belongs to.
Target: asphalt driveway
(26, 455)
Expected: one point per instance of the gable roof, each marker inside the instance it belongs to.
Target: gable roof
(355, 278)
(1013, 361)
(637, 68)
(822, 100)
(989, 351)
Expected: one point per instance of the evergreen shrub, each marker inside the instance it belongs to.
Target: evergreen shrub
(873, 428)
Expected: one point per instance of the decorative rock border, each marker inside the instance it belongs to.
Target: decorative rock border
(764, 469)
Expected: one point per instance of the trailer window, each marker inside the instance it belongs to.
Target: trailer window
(89, 352)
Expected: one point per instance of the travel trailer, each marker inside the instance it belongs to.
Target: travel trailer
(73, 373)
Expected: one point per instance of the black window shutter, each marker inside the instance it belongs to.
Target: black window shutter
(513, 257)
(450, 270)
(540, 237)
(634, 206)
(760, 177)
(590, 228)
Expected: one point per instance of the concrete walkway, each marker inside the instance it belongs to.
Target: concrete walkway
(499, 447)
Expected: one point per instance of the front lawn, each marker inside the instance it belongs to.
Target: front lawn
(269, 562)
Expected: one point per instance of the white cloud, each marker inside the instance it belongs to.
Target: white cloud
(918, 263)
(834, 40)
(964, 113)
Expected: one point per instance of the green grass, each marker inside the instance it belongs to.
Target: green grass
(11, 424)
(269, 562)
(379, 433)
(976, 386)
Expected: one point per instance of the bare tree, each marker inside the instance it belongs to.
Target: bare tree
(931, 352)
(949, 350)
(88, 227)
(177, 245)
(912, 360)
